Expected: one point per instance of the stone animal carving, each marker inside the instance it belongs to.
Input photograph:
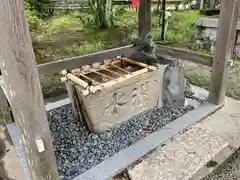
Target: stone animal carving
(144, 50)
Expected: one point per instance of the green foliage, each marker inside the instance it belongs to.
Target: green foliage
(64, 22)
(81, 25)
(98, 10)
(75, 34)
(119, 11)
(52, 86)
(39, 7)
(182, 27)
(199, 78)
(125, 18)
(32, 17)
(76, 50)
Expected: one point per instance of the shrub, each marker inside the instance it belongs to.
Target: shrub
(38, 7)
(32, 17)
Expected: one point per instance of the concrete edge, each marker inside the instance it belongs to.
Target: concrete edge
(57, 104)
(125, 158)
(210, 22)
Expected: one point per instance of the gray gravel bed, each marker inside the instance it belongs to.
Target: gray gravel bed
(78, 150)
(229, 170)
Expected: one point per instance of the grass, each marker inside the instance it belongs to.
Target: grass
(65, 36)
(52, 86)
(72, 35)
(201, 76)
(182, 27)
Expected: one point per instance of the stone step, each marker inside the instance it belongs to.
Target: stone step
(190, 155)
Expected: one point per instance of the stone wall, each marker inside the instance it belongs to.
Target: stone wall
(208, 34)
(207, 39)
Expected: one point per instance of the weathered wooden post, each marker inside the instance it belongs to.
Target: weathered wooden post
(21, 83)
(224, 47)
(145, 17)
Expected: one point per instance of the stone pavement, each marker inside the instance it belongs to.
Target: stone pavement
(196, 152)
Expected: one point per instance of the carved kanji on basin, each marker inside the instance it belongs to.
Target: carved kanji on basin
(116, 103)
(140, 95)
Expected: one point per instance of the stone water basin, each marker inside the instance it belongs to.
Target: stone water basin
(114, 92)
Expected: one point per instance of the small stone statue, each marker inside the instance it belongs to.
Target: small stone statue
(174, 85)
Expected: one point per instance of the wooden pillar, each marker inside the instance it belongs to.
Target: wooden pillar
(21, 82)
(145, 17)
(224, 48)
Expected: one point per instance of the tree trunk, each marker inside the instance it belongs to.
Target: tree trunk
(102, 10)
(158, 5)
(108, 13)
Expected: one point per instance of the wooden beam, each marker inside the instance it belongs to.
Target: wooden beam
(163, 51)
(21, 82)
(57, 66)
(224, 47)
(184, 55)
(145, 17)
